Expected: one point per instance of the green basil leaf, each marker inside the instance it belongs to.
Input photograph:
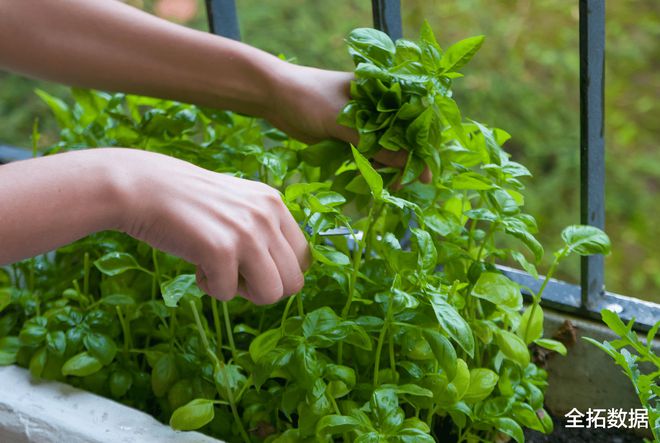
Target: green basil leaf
(372, 44)
(513, 347)
(56, 342)
(320, 322)
(510, 428)
(426, 252)
(482, 383)
(452, 322)
(553, 345)
(173, 290)
(531, 328)
(118, 300)
(38, 362)
(443, 351)
(526, 416)
(9, 347)
(100, 346)
(499, 290)
(81, 365)
(461, 380)
(264, 343)
(115, 263)
(329, 256)
(373, 179)
(457, 55)
(586, 240)
(5, 298)
(164, 374)
(120, 382)
(336, 424)
(193, 415)
(59, 109)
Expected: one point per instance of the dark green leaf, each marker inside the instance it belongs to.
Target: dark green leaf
(100, 346)
(510, 428)
(452, 322)
(336, 424)
(81, 365)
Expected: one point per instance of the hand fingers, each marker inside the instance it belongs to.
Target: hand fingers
(397, 159)
(287, 265)
(262, 277)
(426, 176)
(296, 240)
(219, 278)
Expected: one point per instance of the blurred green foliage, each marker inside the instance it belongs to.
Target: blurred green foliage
(525, 80)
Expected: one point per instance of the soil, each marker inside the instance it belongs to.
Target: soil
(562, 434)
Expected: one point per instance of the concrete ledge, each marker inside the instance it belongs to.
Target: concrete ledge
(52, 412)
(587, 377)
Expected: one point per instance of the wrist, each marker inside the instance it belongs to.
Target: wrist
(244, 79)
(116, 187)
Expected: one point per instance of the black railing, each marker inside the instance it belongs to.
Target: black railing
(592, 141)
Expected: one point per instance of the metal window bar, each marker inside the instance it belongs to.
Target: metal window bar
(592, 142)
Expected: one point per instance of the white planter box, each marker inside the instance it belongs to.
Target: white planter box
(45, 412)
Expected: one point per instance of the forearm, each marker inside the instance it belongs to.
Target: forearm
(51, 201)
(105, 44)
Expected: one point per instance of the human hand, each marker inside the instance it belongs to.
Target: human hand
(306, 102)
(237, 232)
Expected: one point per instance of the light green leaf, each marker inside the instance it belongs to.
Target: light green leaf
(531, 329)
(192, 415)
(115, 263)
(173, 290)
(372, 45)
(586, 240)
(513, 347)
(457, 55)
(59, 109)
(553, 345)
(482, 383)
(265, 342)
(329, 256)
(499, 290)
(373, 179)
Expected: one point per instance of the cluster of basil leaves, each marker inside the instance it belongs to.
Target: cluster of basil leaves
(405, 328)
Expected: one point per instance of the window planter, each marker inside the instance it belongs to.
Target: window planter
(55, 412)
